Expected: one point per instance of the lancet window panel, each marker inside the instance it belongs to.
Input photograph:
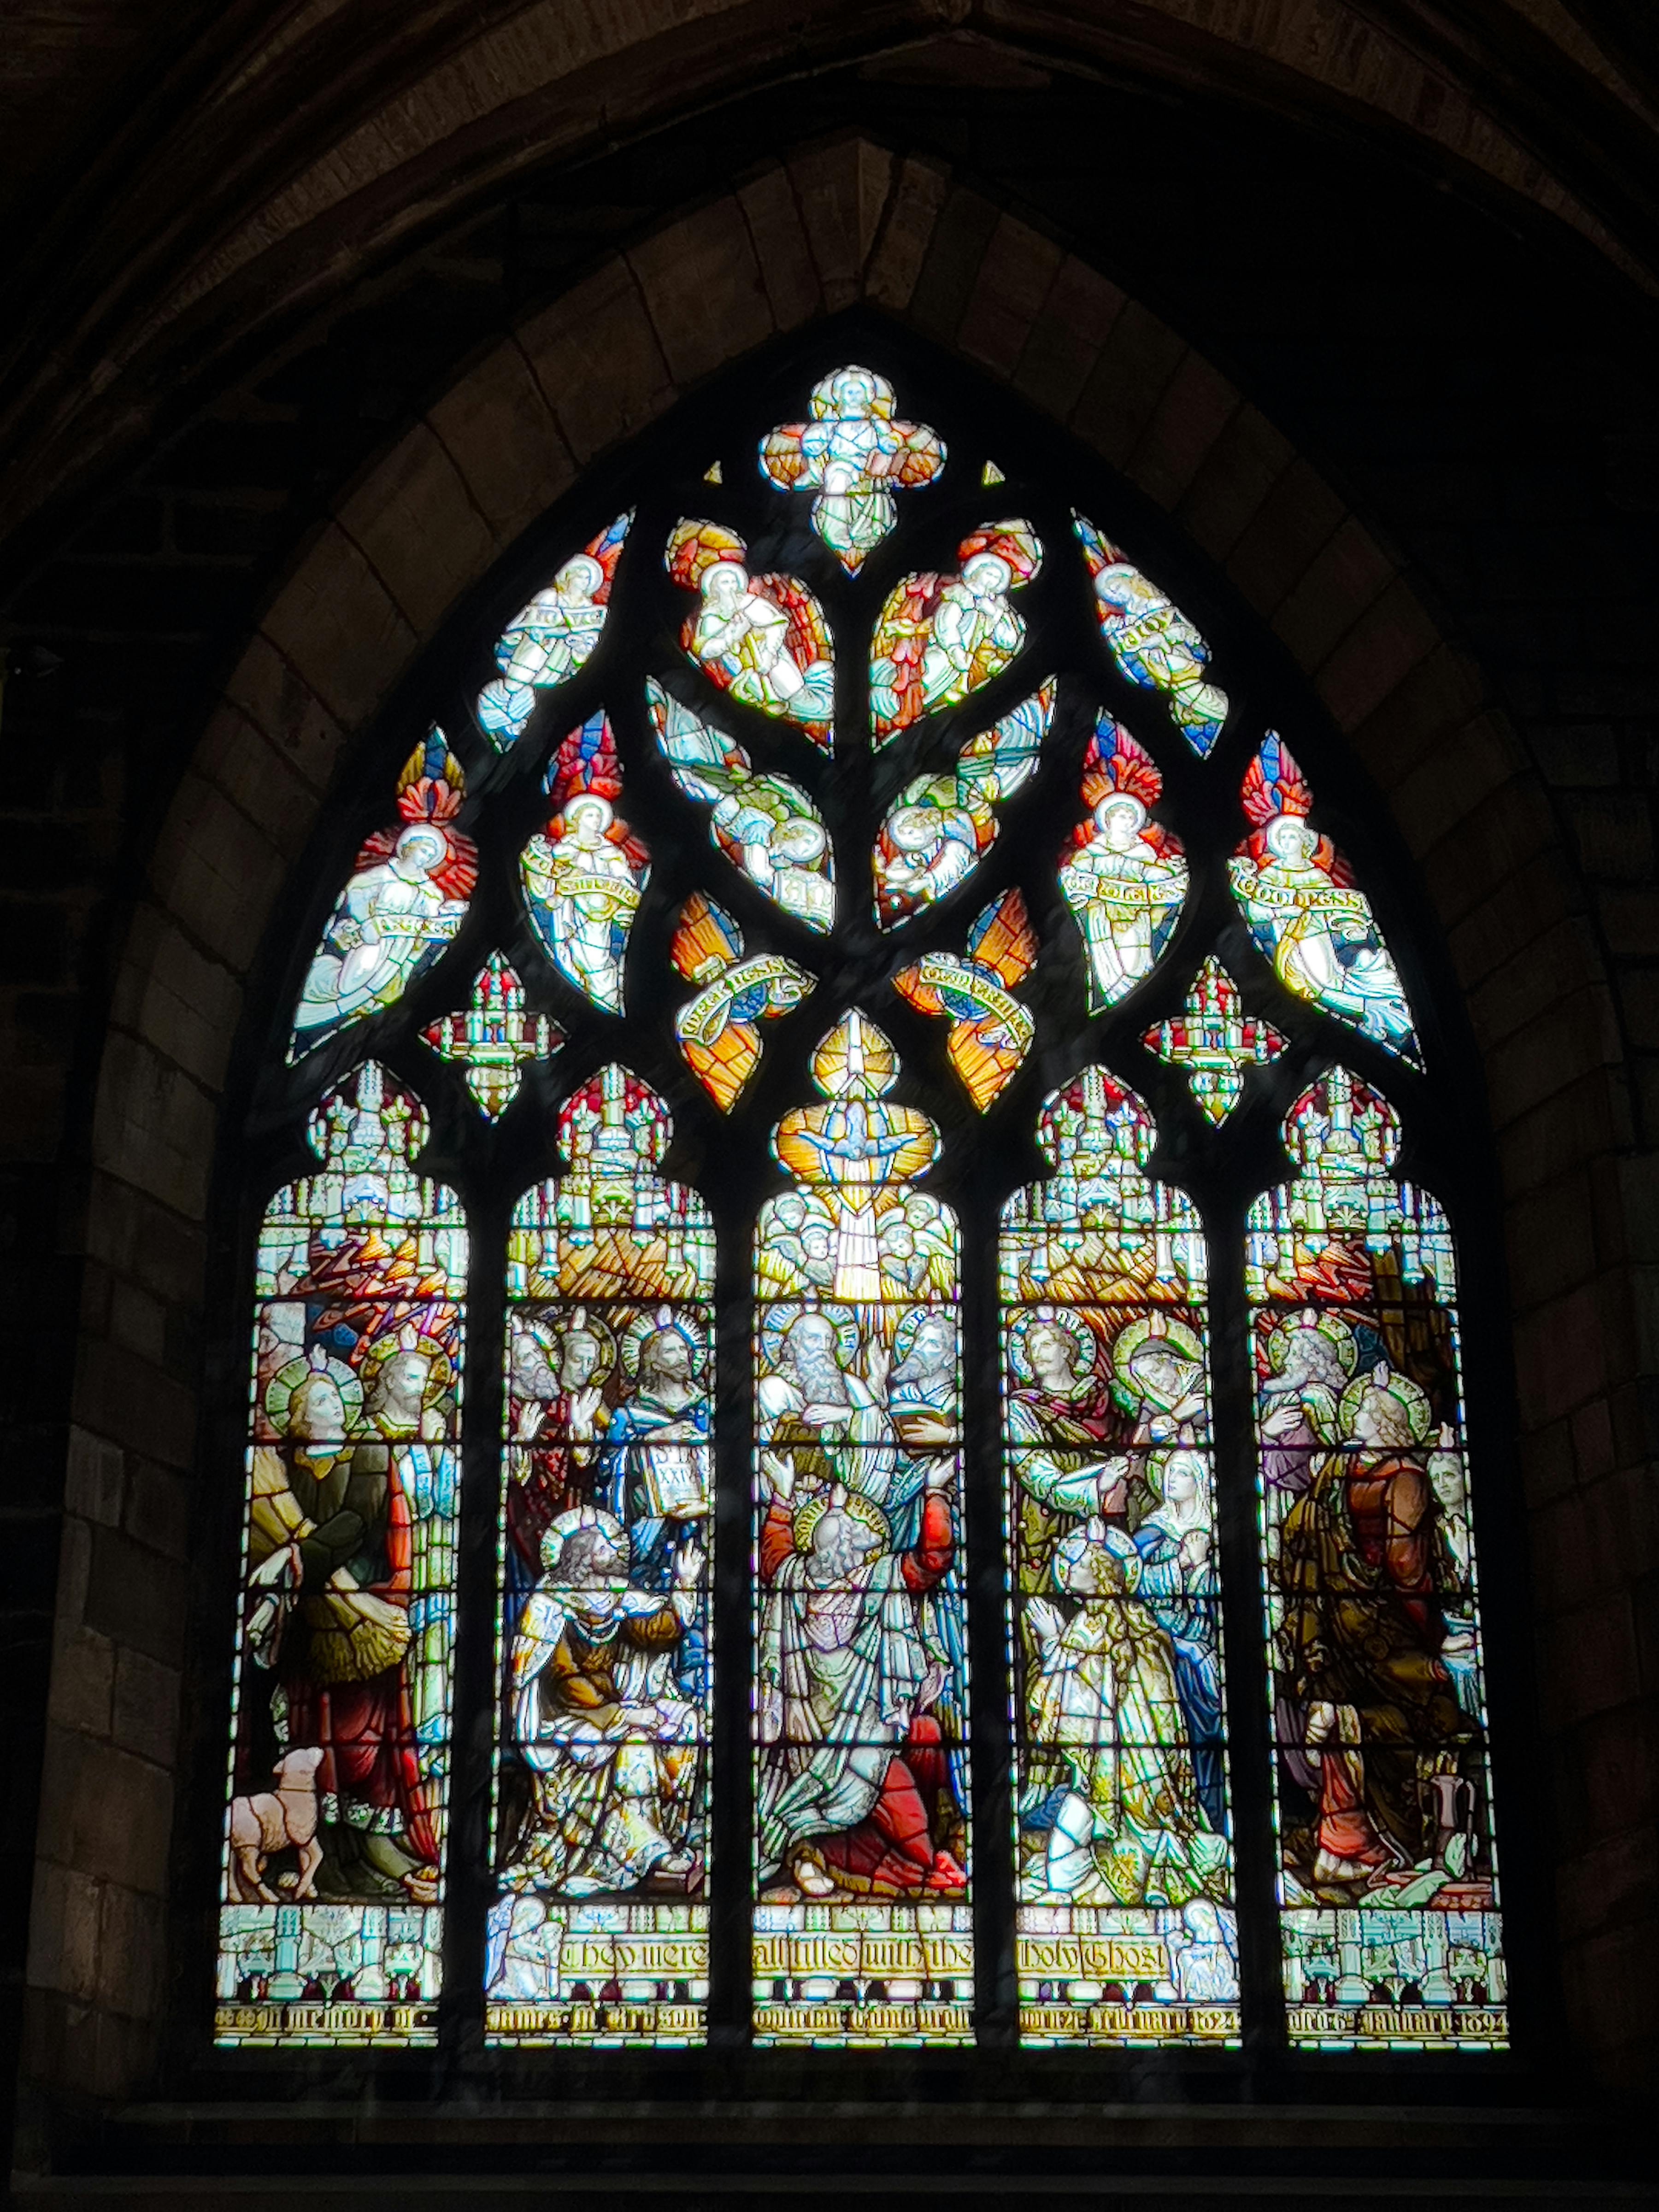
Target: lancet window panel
(860, 1011)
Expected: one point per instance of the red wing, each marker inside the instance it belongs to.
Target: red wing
(456, 875)
(808, 640)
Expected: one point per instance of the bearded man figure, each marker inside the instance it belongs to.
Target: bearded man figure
(555, 1419)
(854, 1759)
(600, 1721)
(653, 1470)
(1363, 1633)
(343, 1518)
(824, 1423)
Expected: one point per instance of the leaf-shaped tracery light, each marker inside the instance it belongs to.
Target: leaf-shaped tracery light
(405, 898)
(938, 638)
(765, 824)
(940, 827)
(583, 874)
(1151, 640)
(1306, 912)
(990, 1031)
(546, 642)
(764, 639)
(718, 1029)
(1123, 874)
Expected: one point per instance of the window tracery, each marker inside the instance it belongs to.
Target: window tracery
(838, 890)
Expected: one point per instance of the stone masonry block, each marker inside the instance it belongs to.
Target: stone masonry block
(1197, 404)
(83, 1682)
(1593, 1451)
(1298, 515)
(1546, 1459)
(153, 1126)
(1349, 571)
(137, 1321)
(1534, 899)
(1553, 964)
(896, 262)
(1487, 846)
(1136, 366)
(339, 625)
(74, 1574)
(498, 429)
(215, 871)
(1587, 1661)
(275, 699)
(130, 1232)
(597, 360)
(158, 1512)
(703, 290)
(416, 522)
(782, 252)
(178, 999)
(105, 1813)
(144, 1713)
(946, 282)
(1438, 693)
(1551, 1240)
(1456, 780)
(1072, 325)
(1582, 1121)
(1559, 1356)
(134, 1402)
(1608, 1884)
(841, 190)
(1387, 641)
(95, 1477)
(131, 1952)
(1233, 482)
(63, 1914)
(1567, 1040)
(1014, 278)
(259, 776)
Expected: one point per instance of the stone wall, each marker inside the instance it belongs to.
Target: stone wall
(1511, 731)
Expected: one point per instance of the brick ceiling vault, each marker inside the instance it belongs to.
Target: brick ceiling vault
(190, 181)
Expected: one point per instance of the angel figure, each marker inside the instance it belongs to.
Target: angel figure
(406, 897)
(1305, 912)
(718, 1029)
(852, 454)
(939, 638)
(990, 1032)
(547, 641)
(584, 874)
(1125, 877)
(761, 638)
(764, 824)
(1151, 640)
(939, 827)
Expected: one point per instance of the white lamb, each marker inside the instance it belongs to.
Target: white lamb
(272, 1821)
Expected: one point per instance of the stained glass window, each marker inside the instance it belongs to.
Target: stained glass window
(929, 1070)
(1126, 1927)
(599, 1928)
(330, 1928)
(863, 1922)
